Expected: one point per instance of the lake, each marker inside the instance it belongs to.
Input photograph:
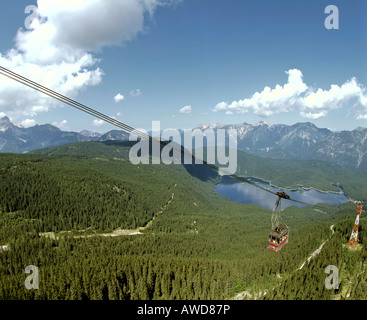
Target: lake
(248, 194)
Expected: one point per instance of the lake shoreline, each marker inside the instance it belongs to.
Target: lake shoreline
(248, 195)
(260, 180)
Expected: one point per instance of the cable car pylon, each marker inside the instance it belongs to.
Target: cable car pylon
(352, 243)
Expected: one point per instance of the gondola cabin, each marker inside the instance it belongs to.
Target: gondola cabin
(278, 238)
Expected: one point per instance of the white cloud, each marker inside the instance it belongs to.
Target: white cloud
(98, 122)
(334, 98)
(62, 125)
(35, 110)
(136, 93)
(28, 123)
(221, 106)
(270, 101)
(313, 115)
(186, 110)
(59, 50)
(67, 77)
(119, 97)
(295, 95)
(104, 22)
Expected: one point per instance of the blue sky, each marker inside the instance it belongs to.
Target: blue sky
(211, 59)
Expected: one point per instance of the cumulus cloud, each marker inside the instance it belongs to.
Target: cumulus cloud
(336, 97)
(186, 110)
(59, 49)
(62, 125)
(118, 97)
(296, 95)
(28, 123)
(98, 122)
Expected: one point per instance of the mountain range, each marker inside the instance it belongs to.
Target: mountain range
(301, 141)
(16, 139)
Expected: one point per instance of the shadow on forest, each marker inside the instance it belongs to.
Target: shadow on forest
(199, 171)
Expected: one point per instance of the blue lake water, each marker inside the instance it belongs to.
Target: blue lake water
(248, 194)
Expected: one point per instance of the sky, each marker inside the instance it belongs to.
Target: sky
(186, 62)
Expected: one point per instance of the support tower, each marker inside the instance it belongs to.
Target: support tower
(352, 243)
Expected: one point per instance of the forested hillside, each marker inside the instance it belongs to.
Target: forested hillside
(60, 211)
(308, 283)
(290, 174)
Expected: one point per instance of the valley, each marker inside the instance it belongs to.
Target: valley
(195, 243)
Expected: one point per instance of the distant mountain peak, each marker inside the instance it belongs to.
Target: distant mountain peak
(306, 124)
(87, 133)
(209, 126)
(17, 139)
(5, 119)
(5, 124)
(262, 123)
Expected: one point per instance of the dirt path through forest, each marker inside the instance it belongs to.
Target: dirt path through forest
(247, 293)
(115, 233)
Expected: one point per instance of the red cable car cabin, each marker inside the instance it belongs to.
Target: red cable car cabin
(278, 238)
(279, 234)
